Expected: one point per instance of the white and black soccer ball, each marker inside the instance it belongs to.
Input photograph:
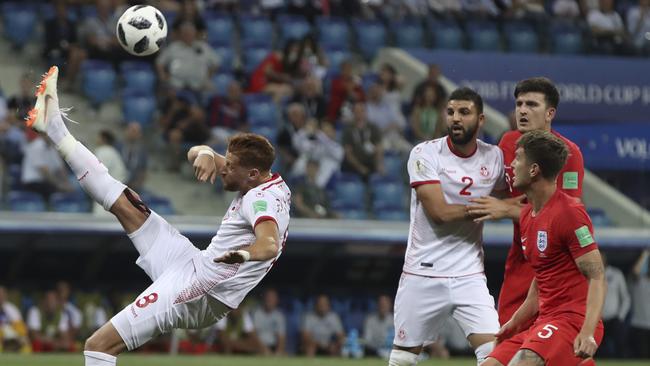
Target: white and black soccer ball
(141, 30)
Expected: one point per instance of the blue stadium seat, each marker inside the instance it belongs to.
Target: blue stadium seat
(261, 110)
(221, 81)
(24, 201)
(599, 217)
(14, 172)
(138, 77)
(138, 107)
(521, 37)
(69, 202)
(253, 57)
(161, 205)
(336, 56)
(392, 215)
(269, 132)
(368, 79)
(292, 27)
(220, 29)
(333, 33)
(446, 35)
(227, 58)
(387, 193)
(256, 31)
(19, 22)
(408, 33)
(371, 36)
(90, 11)
(566, 38)
(394, 164)
(348, 192)
(483, 36)
(98, 81)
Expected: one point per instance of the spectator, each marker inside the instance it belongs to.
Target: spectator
(306, 8)
(94, 315)
(13, 331)
(607, 27)
(98, 34)
(640, 320)
(74, 315)
(237, 333)
(135, 156)
(617, 305)
(313, 59)
(383, 114)
(286, 144)
(227, 115)
(61, 46)
(433, 80)
(345, 91)
(447, 8)
(313, 143)
(49, 325)
(188, 63)
(310, 200)
(43, 170)
(378, 328)
(638, 25)
(183, 122)
(481, 8)
(270, 324)
(21, 103)
(322, 331)
(276, 73)
(427, 116)
(12, 140)
(189, 13)
(310, 96)
(566, 9)
(528, 9)
(364, 153)
(108, 154)
(392, 84)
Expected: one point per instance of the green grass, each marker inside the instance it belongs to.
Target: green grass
(162, 360)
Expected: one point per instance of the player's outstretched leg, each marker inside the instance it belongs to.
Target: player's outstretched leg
(93, 176)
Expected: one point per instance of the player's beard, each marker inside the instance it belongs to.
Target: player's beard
(229, 185)
(465, 137)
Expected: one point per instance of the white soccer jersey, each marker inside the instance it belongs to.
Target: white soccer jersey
(450, 249)
(229, 283)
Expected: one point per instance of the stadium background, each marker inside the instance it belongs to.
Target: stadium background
(605, 98)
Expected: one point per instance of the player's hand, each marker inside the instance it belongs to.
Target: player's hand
(506, 331)
(230, 257)
(205, 169)
(488, 208)
(584, 346)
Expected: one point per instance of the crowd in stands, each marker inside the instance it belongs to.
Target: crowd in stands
(277, 323)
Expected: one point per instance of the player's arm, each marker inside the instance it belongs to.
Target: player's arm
(206, 162)
(526, 310)
(436, 206)
(265, 247)
(492, 208)
(591, 266)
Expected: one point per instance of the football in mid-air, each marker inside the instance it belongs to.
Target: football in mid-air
(141, 30)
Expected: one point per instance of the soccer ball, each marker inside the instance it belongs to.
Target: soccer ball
(141, 30)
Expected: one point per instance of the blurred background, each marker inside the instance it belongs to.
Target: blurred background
(344, 88)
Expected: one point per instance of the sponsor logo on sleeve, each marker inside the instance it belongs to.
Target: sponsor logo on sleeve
(584, 236)
(259, 206)
(542, 240)
(570, 180)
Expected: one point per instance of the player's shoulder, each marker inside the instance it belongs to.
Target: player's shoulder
(510, 138)
(485, 147)
(572, 146)
(568, 206)
(428, 148)
(276, 186)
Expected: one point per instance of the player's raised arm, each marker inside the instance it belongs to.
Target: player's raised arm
(206, 162)
(591, 266)
(265, 247)
(436, 206)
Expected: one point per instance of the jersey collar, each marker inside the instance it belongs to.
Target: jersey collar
(458, 153)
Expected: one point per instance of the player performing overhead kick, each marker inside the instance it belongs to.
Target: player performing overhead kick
(443, 272)
(191, 288)
(568, 290)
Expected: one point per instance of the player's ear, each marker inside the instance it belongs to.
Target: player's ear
(550, 113)
(253, 173)
(534, 170)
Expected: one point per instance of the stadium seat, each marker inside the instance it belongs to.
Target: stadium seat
(371, 36)
(348, 192)
(161, 205)
(221, 81)
(25, 201)
(261, 110)
(446, 35)
(138, 107)
(566, 38)
(220, 29)
(138, 77)
(521, 37)
(19, 22)
(333, 33)
(387, 193)
(98, 81)
(394, 164)
(483, 36)
(292, 27)
(69, 202)
(253, 57)
(269, 132)
(14, 174)
(392, 215)
(336, 56)
(256, 31)
(408, 33)
(599, 217)
(227, 58)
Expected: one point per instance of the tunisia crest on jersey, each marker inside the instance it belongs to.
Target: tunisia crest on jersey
(542, 240)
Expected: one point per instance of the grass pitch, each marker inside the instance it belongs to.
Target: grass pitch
(215, 360)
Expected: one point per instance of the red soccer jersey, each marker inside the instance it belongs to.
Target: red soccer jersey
(552, 239)
(518, 273)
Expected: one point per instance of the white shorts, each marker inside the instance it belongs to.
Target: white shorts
(174, 299)
(422, 305)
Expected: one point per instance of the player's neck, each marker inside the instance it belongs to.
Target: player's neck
(465, 150)
(261, 180)
(539, 193)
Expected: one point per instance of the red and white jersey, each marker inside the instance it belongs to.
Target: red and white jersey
(455, 248)
(229, 283)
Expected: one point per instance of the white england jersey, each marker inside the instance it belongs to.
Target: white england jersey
(455, 248)
(229, 283)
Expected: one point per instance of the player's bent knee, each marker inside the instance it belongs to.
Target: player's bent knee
(490, 361)
(526, 357)
(105, 340)
(130, 210)
(399, 357)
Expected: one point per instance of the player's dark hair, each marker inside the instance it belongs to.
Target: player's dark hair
(540, 85)
(468, 94)
(546, 150)
(253, 151)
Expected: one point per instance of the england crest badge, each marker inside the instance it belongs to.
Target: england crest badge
(542, 240)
